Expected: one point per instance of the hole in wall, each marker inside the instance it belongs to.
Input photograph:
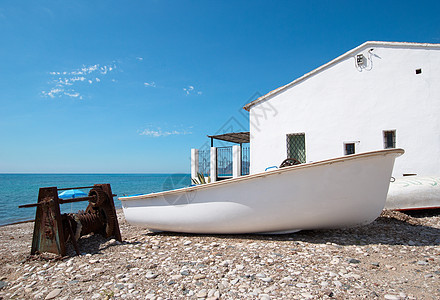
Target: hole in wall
(418, 71)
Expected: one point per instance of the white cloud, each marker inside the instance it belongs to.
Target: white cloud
(150, 84)
(191, 90)
(53, 92)
(73, 95)
(159, 133)
(139, 58)
(73, 79)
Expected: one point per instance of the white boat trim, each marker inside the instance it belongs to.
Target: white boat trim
(264, 174)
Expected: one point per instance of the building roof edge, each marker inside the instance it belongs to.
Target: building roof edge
(336, 60)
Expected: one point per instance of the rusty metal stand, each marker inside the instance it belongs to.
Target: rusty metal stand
(52, 229)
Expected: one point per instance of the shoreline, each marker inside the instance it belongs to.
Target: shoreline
(395, 257)
(19, 222)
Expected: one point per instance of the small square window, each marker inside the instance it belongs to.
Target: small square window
(418, 71)
(389, 139)
(349, 148)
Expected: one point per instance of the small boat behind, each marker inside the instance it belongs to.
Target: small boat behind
(340, 192)
(414, 192)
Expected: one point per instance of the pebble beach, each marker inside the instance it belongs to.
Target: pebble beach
(395, 257)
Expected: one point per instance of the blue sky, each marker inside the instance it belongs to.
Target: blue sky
(132, 86)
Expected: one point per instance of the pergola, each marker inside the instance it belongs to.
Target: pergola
(233, 137)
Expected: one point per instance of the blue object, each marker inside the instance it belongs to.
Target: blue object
(72, 194)
(269, 168)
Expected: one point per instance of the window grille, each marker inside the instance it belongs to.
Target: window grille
(296, 146)
(349, 148)
(389, 139)
(245, 160)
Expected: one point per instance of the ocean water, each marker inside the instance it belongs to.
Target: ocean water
(18, 189)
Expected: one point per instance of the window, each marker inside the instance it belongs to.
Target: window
(349, 148)
(296, 146)
(389, 139)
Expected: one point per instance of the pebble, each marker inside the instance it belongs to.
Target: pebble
(150, 275)
(202, 294)
(353, 261)
(3, 284)
(343, 264)
(54, 293)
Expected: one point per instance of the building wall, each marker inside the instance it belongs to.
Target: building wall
(344, 103)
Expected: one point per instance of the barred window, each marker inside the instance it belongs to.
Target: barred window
(349, 148)
(296, 146)
(389, 139)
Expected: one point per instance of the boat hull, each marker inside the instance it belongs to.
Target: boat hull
(334, 193)
(414, 192)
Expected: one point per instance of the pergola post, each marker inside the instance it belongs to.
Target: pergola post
(236, 161)
(213, 164)
(194, 163)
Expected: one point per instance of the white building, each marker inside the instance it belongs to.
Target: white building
(378, 95)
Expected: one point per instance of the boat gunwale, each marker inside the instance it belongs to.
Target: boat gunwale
(330, 161)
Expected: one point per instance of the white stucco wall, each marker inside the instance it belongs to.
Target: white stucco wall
(341, 104)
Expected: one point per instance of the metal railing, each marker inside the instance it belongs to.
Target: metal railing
(204, 162)
(245, 160)
(224, 161)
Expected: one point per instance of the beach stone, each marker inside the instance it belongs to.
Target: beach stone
(302, 269)
(150, 275)
(3, 284)
(202, 294)
(176, 277)
(199, 276)
(391, 297)
(353, 261)
(54, 293)
(108, 283)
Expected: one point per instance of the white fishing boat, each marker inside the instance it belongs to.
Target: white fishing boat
(340, 192)
(414, 192)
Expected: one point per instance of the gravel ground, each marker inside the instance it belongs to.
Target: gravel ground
(395, 257)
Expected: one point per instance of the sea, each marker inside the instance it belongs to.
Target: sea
(19, 189)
